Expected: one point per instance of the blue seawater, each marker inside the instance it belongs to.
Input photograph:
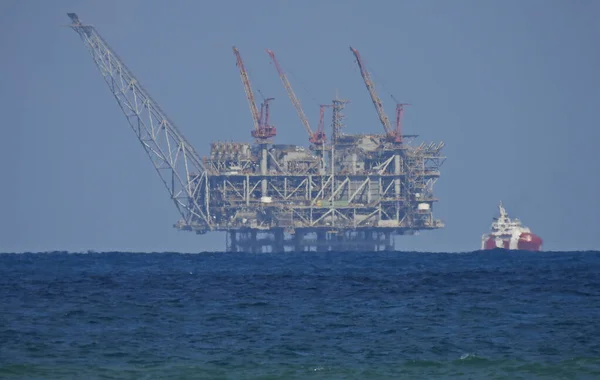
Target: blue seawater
(394, 315)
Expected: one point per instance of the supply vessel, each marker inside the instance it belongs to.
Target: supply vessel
(510, 234)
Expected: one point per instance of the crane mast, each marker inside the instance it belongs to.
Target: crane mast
(321, 127)
(374, 97)
(260, 132)
(321, 117)
(318, 138)
(175, 160)
(265, 114)
(399, 113)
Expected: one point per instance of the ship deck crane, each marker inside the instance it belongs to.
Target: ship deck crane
(175, 160)
(317, 138)
(262, 131)
(393, 135)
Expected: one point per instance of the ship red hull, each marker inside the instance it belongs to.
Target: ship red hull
(490, 243)
(527, 242)
(530, 242)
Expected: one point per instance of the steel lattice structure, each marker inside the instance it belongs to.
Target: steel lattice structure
(175, 159)
(353, 194)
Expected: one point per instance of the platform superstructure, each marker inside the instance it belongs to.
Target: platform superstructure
(347, 192)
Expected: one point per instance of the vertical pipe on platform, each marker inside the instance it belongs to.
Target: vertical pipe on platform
(333, 186)
(254, 248)
(389, 241)
(232, 241)
(263, 171)
(278, 246)
(247, 190)
(321, 243)
(397, 171)
(298, 237)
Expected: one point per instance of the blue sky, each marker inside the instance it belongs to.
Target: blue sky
(512, 88)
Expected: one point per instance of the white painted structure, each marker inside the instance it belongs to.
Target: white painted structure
(505, 229)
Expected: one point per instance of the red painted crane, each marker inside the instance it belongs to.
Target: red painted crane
(317, 138)
(264, 114)
(321, 127)
(399, 112)
(262, 130)
(398, 130)
(392, 134)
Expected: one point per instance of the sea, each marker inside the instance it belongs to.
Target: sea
(384, 315)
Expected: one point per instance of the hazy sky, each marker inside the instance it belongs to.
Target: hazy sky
(511, 87)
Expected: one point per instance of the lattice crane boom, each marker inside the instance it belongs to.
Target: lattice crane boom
(374, 97)
(175, 160)
(247, 89)
(317, 138)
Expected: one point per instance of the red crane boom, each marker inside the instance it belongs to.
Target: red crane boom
(318, 138)
(261, 132)
(374, 97)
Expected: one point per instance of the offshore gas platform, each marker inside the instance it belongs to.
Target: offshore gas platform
(351, 192)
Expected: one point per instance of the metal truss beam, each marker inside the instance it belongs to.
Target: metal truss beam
(175, 160)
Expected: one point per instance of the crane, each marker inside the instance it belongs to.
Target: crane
(321, 127)
(390, 133)
(175, 160)
(264, 119)
(399, 112)
(317, 138)
(264, 113)
(398, 130)
(261, 132)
